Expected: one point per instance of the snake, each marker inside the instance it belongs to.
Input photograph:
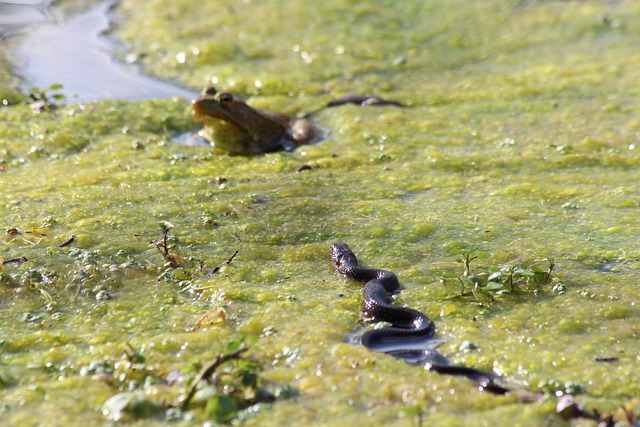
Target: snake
(410, 330)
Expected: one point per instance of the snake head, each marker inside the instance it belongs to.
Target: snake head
(342, 256)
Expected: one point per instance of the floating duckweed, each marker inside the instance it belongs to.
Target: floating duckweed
(461, 68)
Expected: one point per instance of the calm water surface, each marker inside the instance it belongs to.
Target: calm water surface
(75, 52)
(16, 15)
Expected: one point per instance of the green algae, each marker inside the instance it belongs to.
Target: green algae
(520, 139)
(8, 86)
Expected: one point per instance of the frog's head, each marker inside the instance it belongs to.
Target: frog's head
(213, 106)
(232, 125)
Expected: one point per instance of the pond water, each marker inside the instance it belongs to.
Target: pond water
(15, 16)
(60, 47)
(520, 139)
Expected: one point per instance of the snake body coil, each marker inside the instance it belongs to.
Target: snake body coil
(410, 329)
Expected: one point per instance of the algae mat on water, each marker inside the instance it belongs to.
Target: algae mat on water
(520, 139)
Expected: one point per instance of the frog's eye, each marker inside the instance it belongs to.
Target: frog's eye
(210, 91)
(226, 100)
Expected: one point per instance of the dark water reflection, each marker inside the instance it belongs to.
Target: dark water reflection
(76, 54)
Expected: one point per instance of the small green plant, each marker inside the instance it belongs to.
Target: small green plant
(179, 270)
(38, 279)
(171, 257)
(46, 99)
(484, 283)
(414, 412)
(228, 386)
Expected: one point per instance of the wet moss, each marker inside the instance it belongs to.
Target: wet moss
(520, 139)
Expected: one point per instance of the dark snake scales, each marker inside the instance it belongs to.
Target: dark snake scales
(410, 328)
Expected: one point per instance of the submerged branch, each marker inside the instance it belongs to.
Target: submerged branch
(209, 369)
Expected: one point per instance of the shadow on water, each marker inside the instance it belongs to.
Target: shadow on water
(76, 54)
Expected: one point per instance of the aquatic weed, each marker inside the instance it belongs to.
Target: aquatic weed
(234, 385)
(486, 282)
(171, 256)
(45, 99)
(414, 411)
(38, 279)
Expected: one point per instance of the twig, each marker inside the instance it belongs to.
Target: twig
(209, 369)
(227, 262)
(67, 242)
(172, 257)
(219, 311)
(165, 233)
(16, 260)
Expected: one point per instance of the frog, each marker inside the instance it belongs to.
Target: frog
(233, 126)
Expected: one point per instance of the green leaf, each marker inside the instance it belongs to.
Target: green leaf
(494, 276)
(247, 365)
(526, 273)
(481, 275)
(251, 339)
(233, 345)
(493, 286)
(412, 411)
(456, 247)
(221, 408)
(481, 255)
(55, 86)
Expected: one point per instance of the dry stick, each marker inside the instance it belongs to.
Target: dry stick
(202, 319)
(209, 369)
(67, 242)
(165, 232)
(227, 262)
(16, 260)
